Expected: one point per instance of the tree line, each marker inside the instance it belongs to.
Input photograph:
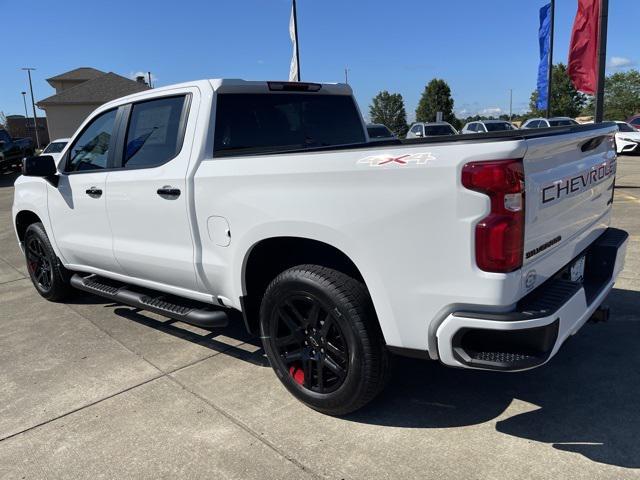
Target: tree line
(621, 100)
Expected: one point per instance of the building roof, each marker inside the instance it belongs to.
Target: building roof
(99, 90)
(78, 74)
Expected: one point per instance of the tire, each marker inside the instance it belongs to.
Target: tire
(47, 274)
(344, 363)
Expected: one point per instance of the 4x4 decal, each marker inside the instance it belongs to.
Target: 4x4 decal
(402, 160)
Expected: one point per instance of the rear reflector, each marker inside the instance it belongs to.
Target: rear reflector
(293, 87)
(500, 235)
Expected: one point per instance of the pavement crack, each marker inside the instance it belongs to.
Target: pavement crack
(247, 429)
(14, 268)
(71, 412)
(12, 281)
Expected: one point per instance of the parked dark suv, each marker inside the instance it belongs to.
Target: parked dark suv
(13, 150)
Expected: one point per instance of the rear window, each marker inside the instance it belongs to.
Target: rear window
(379, 132)
(434, 130)
(562, 123)
(497, 127)
(275, 122)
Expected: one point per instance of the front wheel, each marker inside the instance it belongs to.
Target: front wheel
(47, 274)
(322, 338)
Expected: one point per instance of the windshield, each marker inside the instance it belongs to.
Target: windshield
(434, 130)
(498, 126)
(55, 147)
(562, 123)
(379, 132)
(625, 127)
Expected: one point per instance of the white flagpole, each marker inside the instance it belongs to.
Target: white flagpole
(294, 70)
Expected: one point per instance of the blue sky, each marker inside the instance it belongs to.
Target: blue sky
(482, 48)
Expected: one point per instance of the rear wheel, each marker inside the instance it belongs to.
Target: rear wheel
(48, 275)
(323, 340)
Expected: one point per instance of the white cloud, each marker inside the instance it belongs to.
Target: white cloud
(154, 79)
(474, 109)
(491, 112)
(620, 62)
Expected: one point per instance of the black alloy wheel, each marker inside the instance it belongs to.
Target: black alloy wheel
(47, 273)
(311, 345)
(321, 335)
(39, 265)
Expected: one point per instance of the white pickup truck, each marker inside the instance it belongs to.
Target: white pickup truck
(212, 197)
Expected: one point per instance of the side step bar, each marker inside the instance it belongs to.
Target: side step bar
(184, 310)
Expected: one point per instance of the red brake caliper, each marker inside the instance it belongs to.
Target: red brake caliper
(297, 373)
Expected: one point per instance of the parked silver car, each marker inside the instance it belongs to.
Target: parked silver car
(549, 122)
(484, 126)
(430, 129)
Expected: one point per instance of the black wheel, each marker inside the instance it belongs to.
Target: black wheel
(323, 340)
(48, 275)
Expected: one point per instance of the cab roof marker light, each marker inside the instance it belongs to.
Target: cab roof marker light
(293, 87)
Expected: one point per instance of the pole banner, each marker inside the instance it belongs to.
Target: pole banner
(544, 37)
(583, 50)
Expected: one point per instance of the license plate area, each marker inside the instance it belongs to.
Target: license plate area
(576, 270)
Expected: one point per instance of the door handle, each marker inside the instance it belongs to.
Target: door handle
(168, 192)
(93, 192)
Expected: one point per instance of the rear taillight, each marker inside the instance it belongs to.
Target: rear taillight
(500, 235)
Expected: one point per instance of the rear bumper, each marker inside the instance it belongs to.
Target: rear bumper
(534, 332)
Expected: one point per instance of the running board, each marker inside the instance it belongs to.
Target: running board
(184, 310)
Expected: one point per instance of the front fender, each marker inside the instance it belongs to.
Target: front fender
(30, 194)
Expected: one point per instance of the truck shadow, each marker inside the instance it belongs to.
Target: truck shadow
(243, 341)
(584, 401)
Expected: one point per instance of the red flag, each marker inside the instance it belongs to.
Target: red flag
(583, 51)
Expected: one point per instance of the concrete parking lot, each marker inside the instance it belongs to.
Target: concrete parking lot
(90, 389)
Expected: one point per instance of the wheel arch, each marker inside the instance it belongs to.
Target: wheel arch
(271, 256)
(23, 219)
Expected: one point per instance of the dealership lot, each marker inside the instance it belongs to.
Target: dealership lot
(93, 389)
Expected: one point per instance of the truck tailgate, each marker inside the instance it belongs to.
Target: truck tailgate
(569, 181)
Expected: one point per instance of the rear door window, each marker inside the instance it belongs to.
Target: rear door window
(153, 134)
(257, 123)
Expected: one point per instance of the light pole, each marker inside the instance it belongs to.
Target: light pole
(26, 114)
(602, 57)
(33, 105)
(510, 104)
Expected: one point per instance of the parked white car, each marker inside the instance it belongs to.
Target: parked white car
(207, 198)
(430, 129)
(627, 138)
(485, 126)
(549, 122)
(55, 148)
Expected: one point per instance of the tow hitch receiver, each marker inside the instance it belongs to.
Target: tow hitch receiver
(600, 315)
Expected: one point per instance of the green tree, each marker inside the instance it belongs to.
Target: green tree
(436, 98)
(621, 96)
(388, 109)
(566, 101)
